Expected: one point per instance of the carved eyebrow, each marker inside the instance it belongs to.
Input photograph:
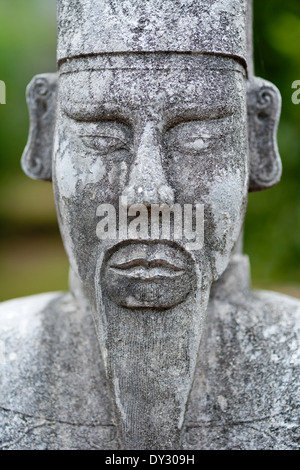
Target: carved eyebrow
(172, 116)
(191, 116)
(91, 113)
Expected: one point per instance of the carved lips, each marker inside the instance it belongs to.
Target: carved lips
(148, 274)
(147, 270)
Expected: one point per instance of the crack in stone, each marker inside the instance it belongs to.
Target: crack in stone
(234, 423)
(54, 421)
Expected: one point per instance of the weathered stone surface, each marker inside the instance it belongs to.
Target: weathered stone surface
(264, 107)
(88, 27)
(148, 152)
(245, 394)
(51, 377)
(155, 110)
(41, 101)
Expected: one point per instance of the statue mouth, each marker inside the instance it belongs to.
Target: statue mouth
(148, 260)
(144, 269)
(147, 273)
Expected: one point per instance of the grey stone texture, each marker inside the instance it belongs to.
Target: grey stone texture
(157, 345)
(41, 97)
(245, 394)
(88, 27)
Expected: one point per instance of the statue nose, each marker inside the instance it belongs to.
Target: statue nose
(147, 181)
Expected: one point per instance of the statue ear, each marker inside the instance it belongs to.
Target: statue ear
(41, 96)
(264, 106)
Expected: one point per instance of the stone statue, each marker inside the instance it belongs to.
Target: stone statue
(160, 344)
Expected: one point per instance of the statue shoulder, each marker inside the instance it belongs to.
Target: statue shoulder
(247, 388)
(275, 323)
(15, 313)
(267, 327)
(260, 321)
(21, 324)
(279, 311)
(22, 343)
(49, 367)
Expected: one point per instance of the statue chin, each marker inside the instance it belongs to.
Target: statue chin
(157, 275)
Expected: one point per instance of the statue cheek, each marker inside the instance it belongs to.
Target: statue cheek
(65, 176)
(227, 202)
(75, 170)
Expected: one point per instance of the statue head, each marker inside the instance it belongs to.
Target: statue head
(154, 112)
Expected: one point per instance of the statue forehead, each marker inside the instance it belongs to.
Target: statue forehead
(148, 78)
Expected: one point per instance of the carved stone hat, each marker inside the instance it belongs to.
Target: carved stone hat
(92, 27)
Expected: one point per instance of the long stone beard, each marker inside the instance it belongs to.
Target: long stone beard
(150, 357)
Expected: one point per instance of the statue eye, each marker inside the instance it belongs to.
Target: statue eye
(195, 144)
(192, 144)
(104, 144)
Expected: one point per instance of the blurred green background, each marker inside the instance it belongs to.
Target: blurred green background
(32, 257)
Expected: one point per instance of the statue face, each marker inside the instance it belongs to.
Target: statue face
(159, 131)
(154, 130)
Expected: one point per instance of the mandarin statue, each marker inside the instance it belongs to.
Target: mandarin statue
(153, 131)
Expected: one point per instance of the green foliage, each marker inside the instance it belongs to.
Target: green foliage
(273, 219)
(28, 47)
